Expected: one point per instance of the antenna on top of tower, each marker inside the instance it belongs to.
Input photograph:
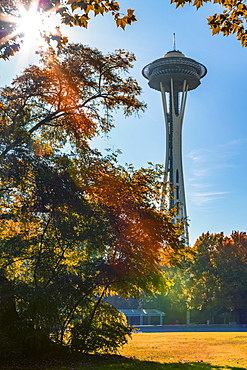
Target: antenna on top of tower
(174, 41)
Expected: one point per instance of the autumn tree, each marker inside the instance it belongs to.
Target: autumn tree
(210, 282)
(75, 226)
(71, 12)
(232, 19)
(219, 273)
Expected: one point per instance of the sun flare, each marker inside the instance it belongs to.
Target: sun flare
(30, 22)
(33, 24)
(29, 25)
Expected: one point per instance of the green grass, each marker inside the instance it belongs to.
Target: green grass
(159, 351)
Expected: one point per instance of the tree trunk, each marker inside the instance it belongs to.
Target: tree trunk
(8, 313)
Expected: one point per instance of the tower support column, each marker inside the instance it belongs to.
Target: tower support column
(174, 180)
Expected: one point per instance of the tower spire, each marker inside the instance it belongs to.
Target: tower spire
(174, 41)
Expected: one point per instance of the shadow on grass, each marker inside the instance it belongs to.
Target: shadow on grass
(152, 365)
(105, 362)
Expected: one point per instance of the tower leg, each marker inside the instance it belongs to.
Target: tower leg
(173, 160)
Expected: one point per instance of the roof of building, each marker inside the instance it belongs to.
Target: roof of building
(141, 312)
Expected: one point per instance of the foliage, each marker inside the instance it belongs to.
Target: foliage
(72, 13)
(232, 19)
(75, 92)
(219, 272)
(101, 336)
(74, 226)
(212, 280)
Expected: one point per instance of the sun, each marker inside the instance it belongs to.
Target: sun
(29, 23)
(33, 24)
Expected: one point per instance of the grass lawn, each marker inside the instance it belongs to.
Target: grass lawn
(159, 351)
(193, 350)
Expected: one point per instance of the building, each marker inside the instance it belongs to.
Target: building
(174, 75)
(147, 316)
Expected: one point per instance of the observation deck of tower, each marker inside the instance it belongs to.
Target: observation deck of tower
(174, 75)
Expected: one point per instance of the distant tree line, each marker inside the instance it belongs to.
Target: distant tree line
(211, 284)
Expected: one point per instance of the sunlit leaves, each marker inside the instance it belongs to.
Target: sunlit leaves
(76, 92)
(232, 20)
(72, 13)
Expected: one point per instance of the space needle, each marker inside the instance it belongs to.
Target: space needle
(174, 75)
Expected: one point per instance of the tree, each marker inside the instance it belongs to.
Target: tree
(72, 13)
(219, 273)
(210, 282)
(76, 96)
(232, 20)
(75, 226)
(203, 285)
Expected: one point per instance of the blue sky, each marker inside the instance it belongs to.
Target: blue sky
(215, 129)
